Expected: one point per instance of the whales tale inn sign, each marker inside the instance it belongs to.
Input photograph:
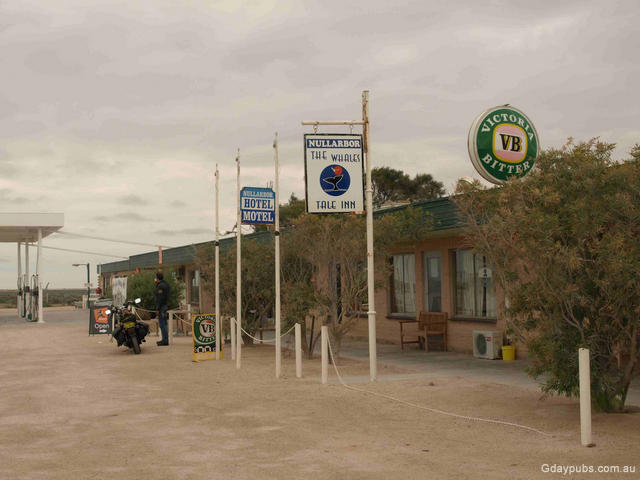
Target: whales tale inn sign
(334, 178)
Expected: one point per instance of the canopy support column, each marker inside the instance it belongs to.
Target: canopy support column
(26, 283)
(19, 302)
(38, 282)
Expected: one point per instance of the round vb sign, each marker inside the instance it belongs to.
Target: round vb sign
(503, 143)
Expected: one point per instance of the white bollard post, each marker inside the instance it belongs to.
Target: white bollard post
(324, 333)
(585, 397)
(184, 327)
(169, 327)
(232, 326)
(298, 333)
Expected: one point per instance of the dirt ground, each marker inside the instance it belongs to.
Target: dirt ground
(77, 407)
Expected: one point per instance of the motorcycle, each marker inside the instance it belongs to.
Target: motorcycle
(129, 330)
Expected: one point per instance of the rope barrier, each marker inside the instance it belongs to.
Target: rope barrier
(432, 410)
(145, 310)
(266, 341)
(154, 311)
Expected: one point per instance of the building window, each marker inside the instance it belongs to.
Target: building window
(475, 292)
(432, 282)
(403, 287)
(194, 297)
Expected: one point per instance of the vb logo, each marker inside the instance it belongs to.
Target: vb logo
(509, 142)
(206, 330)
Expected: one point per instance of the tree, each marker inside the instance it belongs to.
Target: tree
(291, 210)
(323, 269)
(141, 285)
(390, 185)
(564, 243)
(332, 249)
(258, 282)
(288, 212)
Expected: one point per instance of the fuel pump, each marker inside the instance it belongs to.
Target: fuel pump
(20, 298)
(35, 292)
(26, 293)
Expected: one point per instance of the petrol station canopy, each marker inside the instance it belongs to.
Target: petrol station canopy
(23, 227)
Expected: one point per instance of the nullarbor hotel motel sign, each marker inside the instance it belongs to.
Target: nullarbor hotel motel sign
(503, 143)
(334, 176)
(257, 206)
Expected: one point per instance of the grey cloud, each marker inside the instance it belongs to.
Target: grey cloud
(73, 57)
(97, 97)
(184, 231)
(7, 167)
(127, 216)
(132, 199)
(7, 196)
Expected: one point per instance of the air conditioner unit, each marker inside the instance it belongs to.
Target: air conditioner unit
(487, 344)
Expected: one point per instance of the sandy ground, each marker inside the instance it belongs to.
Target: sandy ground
(77, 407)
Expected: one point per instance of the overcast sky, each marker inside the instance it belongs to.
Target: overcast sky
(116, 112)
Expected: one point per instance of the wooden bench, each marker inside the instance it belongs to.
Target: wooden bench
(433, 324)
(266, 325)
(409, 332)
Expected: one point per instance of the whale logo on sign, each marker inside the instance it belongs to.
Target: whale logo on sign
(335, 180)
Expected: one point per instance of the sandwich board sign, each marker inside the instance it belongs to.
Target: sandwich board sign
(204, 337)
(257, 206)
(503, 143)
(99, 320)
(334, 179)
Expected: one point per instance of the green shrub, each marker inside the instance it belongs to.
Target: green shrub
(141, 285)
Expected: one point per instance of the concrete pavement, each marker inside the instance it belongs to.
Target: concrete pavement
(438, 364)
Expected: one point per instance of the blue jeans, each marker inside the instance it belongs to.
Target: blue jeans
(163, 317)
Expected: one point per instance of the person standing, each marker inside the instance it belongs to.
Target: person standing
(162, 298)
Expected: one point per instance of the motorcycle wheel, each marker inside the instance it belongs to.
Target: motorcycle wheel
(135, 345)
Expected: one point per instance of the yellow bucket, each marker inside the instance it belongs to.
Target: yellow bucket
(508, 353)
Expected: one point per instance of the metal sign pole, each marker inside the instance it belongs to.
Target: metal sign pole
(371, 313)
(277, 260)
(217, 260)
(238, 274)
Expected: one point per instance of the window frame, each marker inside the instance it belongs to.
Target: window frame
(393, 307)
(454, 289)
(426, 255)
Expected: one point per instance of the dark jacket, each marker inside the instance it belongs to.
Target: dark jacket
(162, 294)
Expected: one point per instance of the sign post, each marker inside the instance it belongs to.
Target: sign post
(238, 273)
(259, 206)
(217, 260)
(277, 259)
(330, 175)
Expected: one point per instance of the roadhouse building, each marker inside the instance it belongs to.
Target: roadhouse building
(439, 274)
